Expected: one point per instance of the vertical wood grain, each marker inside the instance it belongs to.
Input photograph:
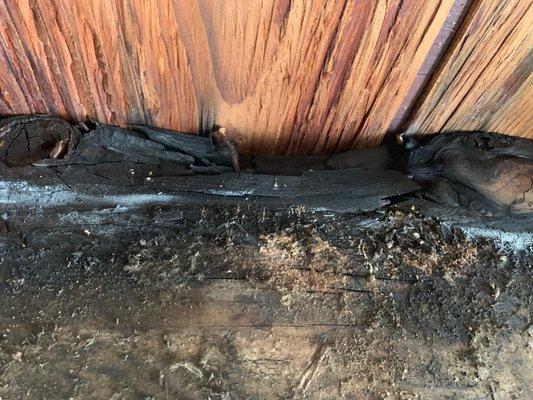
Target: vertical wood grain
(283, 76)
(485, 81)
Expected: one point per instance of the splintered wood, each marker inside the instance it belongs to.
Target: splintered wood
(485, 80)
(283, 77)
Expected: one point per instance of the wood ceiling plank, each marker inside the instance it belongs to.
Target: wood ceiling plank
(485, 81)
(283, 76)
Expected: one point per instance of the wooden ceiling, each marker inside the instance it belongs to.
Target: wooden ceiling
(484, 82)
(282, 76)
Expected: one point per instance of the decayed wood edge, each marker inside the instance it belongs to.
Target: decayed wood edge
(511, 231)
(430, 66)
(241, 307)
(107, 158)
(485, 171)
(49, 205)
(117, 154)
(354, 193)
(35, 189)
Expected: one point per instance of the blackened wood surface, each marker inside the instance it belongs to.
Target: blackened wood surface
(113, 301)
(476, 169)
(486, 172)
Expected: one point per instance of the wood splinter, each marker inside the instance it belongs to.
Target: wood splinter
(222, 140)
(60, 149)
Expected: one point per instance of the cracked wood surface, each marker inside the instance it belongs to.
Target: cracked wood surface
(284, 77)
(486, 172)
(484, 82)
(173, 284)
(475, 168)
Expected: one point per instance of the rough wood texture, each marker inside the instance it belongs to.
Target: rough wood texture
(485, 172)
(478, 170)
(120, 279)
(177, 301)
(485, 81)
(282, 76)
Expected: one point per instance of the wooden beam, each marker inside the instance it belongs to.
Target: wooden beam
(431, 63)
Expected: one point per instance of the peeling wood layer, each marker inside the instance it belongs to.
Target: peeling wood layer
(283, 77)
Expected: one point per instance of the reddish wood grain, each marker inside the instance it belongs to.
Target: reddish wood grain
(485, 82)
(282, 76)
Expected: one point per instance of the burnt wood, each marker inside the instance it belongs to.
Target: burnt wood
(484, 171)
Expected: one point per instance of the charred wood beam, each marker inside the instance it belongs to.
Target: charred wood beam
(484, 172)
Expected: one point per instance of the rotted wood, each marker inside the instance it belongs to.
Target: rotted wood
(185, 293)
(197, 146)
(158, 272)
(478, 170)
(110, 156)
(26, 139)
